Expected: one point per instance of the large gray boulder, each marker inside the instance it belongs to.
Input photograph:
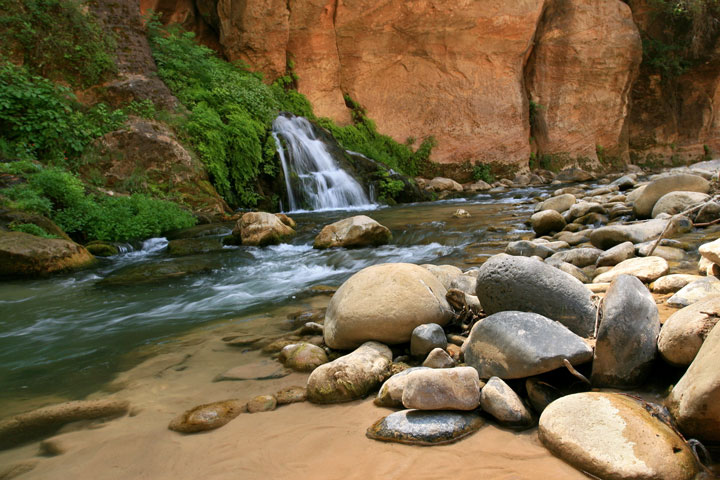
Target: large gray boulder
(384, 303)
(427, 428)
(442, 389)
(627, 337)
(501, 401)
(521, 344)
(644, 204)
(684, 332)
(677, 202)
(353, 232)
(695, 400)
(350, 377)
(524, 284)
(612, 436)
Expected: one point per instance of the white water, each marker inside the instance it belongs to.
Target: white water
(322, 184)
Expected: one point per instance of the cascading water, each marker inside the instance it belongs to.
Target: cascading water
(313, 179)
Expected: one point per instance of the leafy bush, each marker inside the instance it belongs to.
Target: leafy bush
(483, 172)
(30, 228)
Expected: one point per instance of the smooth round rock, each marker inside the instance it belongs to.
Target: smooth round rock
(426, 338)
(613, 436)
(262, 403)
(354, 232)
(646, 269)
(677, 202)
(644, 204)
(445, 273)
(547, 221)
(501, 401)
(580, 257)
(290, 395)
(559, 203)
(611, 235)
(618, 253)
(525, 248)
(390, 394)
(442, 389)
(261, 228)
(303, 357)
(684, 332)
(438, 358)
(207, 417)
(418, 427)
(672, 283)
(711, 251)
(384, 303)
(695, 291)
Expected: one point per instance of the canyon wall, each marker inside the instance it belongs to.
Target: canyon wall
(471, 72)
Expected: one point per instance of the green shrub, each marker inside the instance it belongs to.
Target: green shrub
(483, 172)
(30, 228)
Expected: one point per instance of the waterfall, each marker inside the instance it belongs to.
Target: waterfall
(313, 179)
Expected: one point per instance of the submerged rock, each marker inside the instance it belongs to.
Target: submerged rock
(192, 246)
(442, 389)
(614, 436)
(160, 271)
(290, 395)
(25, 255)
(207, 417)
(262, 403)
(418, 427)
(261, 229)
(500, 401)
(303, 357)
(102, 249)
(353, 232)
(264, 370)
(684, 332)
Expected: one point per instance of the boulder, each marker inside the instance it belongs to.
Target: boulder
(583, 208)
(613, 436)
(353, 232)
(525, 248)
(711, 251)
(643, 205)
(303, 357)
(350, 377)
(479, 186)
(438, 358)
(708, 213)
(426, 338)
(647, 269)
(695, 399)
(540, 393)
(671, 254)
(524, 284)
(445, 273)
(616, 254)
(580, 257)
(627, 336)
(625, 182)
(442, 389)
(521, 344)
(159, 271)
(559, 203)
(461, 213)
(695, 291)
(547, 221)
(568, 268)
(261, 229)
(418, 427)
(384, 303)
(611, 235)
(500, 401)
(390, 394)
(25, 255)
(677, 202)
(706, 267)
(192, 246)
(102, 249)
(207, 417)
(441, 184)
(684, 332)
(672, 283)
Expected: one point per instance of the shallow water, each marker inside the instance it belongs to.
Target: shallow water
(66, 336)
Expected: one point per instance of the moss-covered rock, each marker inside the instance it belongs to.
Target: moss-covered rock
(102, 249)
(25, 255)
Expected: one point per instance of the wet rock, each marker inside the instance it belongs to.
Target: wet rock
(547, 221)
(644, 204)
(426, 338)
(303, 357)
(198, 231)
(191, 246)
(262, 403)
(286, 220)
(684, 332)
(646, 269)
(672, 283)
(390, 394)
(611, 235)
(277, 345)
(261, 229)
(580, 257)
(438, 358)
(159, 271)
(525, 248)
(25, 255)
(290, 395)
(312, 328)
(350, 377)
(541, 394)
(695, 291)
(710, 212)
(676, 202)
(500, 401)
(418, 427)
(384, 303)
(521, 344)
(523, 284)
(616, 254)
(460, 213)
(102, 249)
(711, 251)
(354, 232)
(613, 436)
(695, 399)
(43, 421)
(207, 417)
(627, 337)
(441, 184)
(558, 203)
(263, 370)
(442, 389)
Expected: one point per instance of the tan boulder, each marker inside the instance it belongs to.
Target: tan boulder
(261, 228)
(684, 332)
(302, 357)
(24, 255)
(440, 184)
(357, 231)
(442, 389)
(672, 283)
(559, 203)
(658, 188)
(676, 202)
(647, 269)
(207, 417)
(711, 251)
(384, 303)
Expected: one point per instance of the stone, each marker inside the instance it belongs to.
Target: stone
(616, 254)
(43, 421)
(500, 401)
(390, 393)
(568, 268)
(442, 389)
(286, 220)
(461, 213)
(540, 394)
(290, 395)
(192, 246)
(677, 202)
(312, 328)
(479, 186)
(522, 344)
(350, 377)
(261, 229)
(583, 208)
(354, 232)
(199, 231)
(384, 303)
(706, 267)
(263, 370)
(419, 427)
(207, 417)
(695, 291)
(559, 203)
(102, 249)
(695, 400)
(525, 248)
(611, 235)
(519, 283)
(647, 269)
(426, 338)
(445, 273)
(708, 213)
(574, 174)
(684, 332)
(580, 257)
(671, 254)
(672, 283)
(547, 221)
(613, 436)
(303, 357)
(627, 336)
(643, 205)
(625, 182)
(262, 403)
(159, 271)
(573, 238)
(441, 184)
(25, 255)
(711, 251)
(438, 358)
